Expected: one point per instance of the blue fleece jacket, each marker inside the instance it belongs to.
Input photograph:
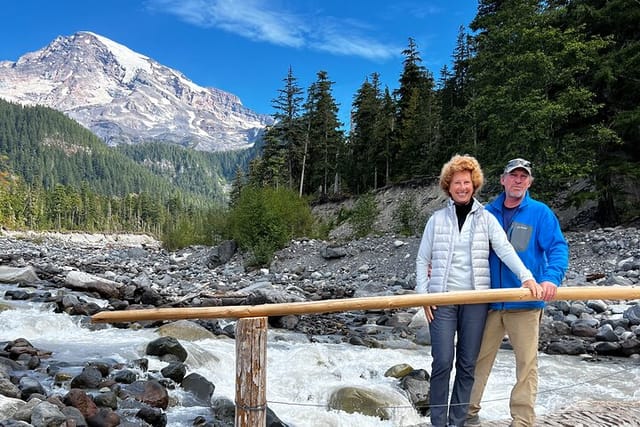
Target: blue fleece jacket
(534, 231)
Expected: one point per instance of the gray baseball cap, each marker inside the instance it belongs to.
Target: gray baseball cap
(518, 163)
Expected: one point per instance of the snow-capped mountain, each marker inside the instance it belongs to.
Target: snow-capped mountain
(126, 97)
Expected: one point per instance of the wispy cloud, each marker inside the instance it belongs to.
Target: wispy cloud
(257, 20)
(416, 9)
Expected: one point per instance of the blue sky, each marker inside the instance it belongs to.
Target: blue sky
(246, 46)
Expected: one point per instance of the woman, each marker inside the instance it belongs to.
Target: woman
(454, 256)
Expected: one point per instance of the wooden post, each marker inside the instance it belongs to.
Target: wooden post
(251, 372)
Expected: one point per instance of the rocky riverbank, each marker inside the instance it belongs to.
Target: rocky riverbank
(76, 272)
(137, 273)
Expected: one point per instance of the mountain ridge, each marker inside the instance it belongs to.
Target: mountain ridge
(125, 97)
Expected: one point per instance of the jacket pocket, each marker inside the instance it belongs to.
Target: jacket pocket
(520, 236)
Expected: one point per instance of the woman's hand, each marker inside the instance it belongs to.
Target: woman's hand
(536, 290)
(428, 311)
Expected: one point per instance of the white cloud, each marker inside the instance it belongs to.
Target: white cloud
(255, 20)
(341, 39)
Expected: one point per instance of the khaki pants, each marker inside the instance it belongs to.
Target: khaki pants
(523, 327)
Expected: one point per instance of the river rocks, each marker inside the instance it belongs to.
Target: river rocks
(632, 314)
(87, 401)
(80, 400)
(185, 330)
(569, 346)
(361, 400)
(200, 388)
(30, 386)
(106, 393)
(175, 371)
(150, 392)
(9, 407)
(90, 377)
(168, 349)
(18, 275)
(418, 388)
(606, 333)
(398, 371)
(90, 283)
(47, 414)
(222, 253)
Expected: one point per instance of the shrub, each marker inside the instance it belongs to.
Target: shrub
(187, 230)
(264, 220)
(322, 228)
(363, 215)
(406, 217)
(182, 234)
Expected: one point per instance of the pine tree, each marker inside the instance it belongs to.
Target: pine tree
(458, 125)
(284, 140)
(236, 187)
(386, 133)
(615, 80)
(325, 139)
(529, 96)
(418, 116)
(363, 139)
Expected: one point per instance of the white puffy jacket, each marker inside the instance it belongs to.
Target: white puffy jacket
(436, 249)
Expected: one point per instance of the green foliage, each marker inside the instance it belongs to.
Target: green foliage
(343, 215)
(236, 187)
(191, 171)
(322, 227)
(324, 139)
(182, 233)
(285, 140)
(532, 95)
(264, 220)
(54, 174)
(406, 217)
(364, 214)
(45, 149)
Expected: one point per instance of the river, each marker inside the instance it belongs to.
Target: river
(301, 375)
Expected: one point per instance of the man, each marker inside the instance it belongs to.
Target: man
(534, 232)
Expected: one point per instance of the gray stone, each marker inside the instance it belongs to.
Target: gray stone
(17, 274)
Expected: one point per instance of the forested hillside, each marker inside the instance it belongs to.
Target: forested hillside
(58, 175)
(198, 172)
(557, 83)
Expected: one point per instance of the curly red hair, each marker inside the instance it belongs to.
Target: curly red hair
(460, 163)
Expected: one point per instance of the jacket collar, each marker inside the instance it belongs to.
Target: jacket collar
(476, 204)
(498, 203)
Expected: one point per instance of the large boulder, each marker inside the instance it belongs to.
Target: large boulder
(85, 282)
(185, 330)
(362, 401)
(168, 349)
(17, 274)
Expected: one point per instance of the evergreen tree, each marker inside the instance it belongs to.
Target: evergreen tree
(284, 140)
(364, 144)
(615, 79)
(325, 139)
(418, 116)
(529, 96)
(276, 154)
(386, 134)
(236, 187)
(458, 125)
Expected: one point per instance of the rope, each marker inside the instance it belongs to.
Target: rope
(551, 390)
(252, 408)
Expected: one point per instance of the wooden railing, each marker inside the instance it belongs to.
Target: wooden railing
(251, 329)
